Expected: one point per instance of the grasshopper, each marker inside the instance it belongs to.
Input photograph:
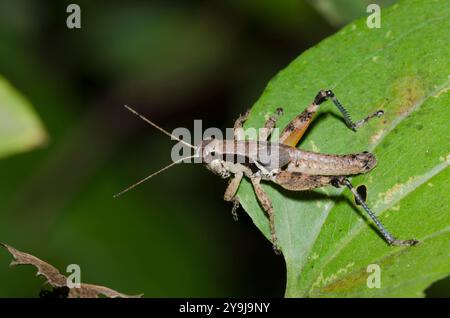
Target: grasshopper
(282, 162)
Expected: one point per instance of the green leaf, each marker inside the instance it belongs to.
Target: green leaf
(20, 128)
(402, 68)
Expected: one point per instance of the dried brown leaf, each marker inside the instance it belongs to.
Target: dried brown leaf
(53, 276)
(58, 280)
(94, 291)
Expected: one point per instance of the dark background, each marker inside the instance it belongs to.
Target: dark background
(175, 62)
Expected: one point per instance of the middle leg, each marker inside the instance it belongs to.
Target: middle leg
(266, 203)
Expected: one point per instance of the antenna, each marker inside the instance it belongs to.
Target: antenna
(157, 127)
(151, 176)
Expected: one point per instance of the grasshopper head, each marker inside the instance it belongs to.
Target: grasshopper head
(210, 150)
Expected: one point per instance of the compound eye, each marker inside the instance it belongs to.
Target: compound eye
(213, 153)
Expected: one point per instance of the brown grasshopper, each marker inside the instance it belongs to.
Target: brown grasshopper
(282, 163)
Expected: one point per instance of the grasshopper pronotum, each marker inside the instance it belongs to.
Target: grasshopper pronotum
(282, 163)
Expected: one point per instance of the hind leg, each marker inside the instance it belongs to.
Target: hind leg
(295, 130)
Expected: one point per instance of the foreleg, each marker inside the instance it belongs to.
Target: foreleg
(238, 130)
(270, 124)
(230, 193)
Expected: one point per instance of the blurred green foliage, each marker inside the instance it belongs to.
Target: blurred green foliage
(175, 62)
(20, 129)
(340, 12)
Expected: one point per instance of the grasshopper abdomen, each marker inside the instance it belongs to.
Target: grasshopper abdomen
(314, 163)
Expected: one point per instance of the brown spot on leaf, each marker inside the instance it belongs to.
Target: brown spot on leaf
(408, 91)
(358, 277)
